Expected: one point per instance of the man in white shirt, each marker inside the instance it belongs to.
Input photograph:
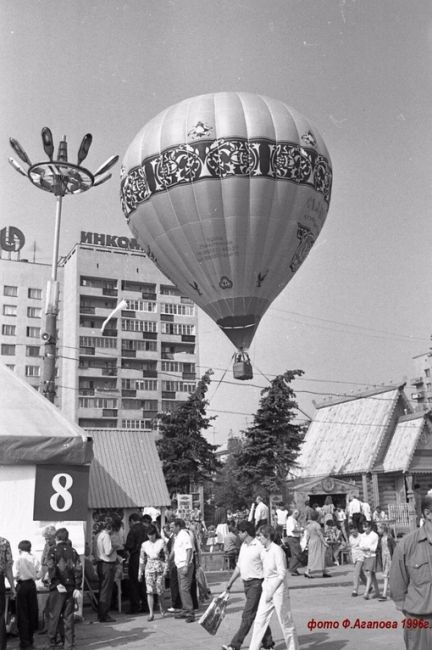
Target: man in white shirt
(293, 534)
(183, 559)
(355, 513)
(281, 519)
(106, 557)
(261, 514)
(250, 569)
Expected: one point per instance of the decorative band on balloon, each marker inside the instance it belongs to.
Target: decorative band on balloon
(224, 158)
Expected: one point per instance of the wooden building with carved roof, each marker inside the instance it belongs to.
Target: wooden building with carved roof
(372, 445)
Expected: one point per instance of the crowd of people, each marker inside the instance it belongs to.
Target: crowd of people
(262, 548)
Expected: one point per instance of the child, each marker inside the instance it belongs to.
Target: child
(27, 570)
(357, 557)
(387, 545)
(211, 538)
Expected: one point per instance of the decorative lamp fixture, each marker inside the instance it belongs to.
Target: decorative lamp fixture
(59, 177)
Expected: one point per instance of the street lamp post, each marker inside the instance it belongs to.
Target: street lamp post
(59, 177)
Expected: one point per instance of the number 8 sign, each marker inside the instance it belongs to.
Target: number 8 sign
(61, 493)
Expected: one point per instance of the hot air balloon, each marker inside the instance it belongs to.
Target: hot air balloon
(227, 193)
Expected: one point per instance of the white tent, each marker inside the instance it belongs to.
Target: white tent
(36, 439)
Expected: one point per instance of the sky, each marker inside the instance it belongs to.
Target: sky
(360, 306)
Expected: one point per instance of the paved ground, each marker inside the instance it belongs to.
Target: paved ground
(328, 602)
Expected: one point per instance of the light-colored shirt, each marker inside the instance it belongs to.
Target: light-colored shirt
(26, 567)
(293, 528)
(261, 512)
(104, 548)
(366, 510)
(274, 562)
(357, 554)
(354, 507)
(182, 544)
(281, 516)
(369, 543)
(249, 561)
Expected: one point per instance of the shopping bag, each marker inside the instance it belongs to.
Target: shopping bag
(215, 613)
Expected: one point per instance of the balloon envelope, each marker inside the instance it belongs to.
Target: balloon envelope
(228, 192)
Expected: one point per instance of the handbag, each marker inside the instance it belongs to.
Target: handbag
(215, 613)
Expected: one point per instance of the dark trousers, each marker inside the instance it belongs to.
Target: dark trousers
(106, 573)
(417, 638)
(295, 553)
(174, 588)
(137, 590)
(185, 584)
(2, 614)
(252, 590)
(26, 611)
(358, 520)
(61, 604)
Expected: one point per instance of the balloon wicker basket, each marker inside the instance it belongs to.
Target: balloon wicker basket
(242, 370)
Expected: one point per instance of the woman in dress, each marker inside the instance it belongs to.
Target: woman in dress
(153, 565)
(317, 546)
(275, 594)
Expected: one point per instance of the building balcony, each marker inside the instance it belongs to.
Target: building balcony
(110, 292)
(420, 395)
(189, 376)
(150, 373)
(128, 392)
(417, 381)
(129, 354)
(109, 413)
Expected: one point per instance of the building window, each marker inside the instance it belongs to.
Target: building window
(146, 384)
(178, 329)
(136, 344)
(34, 312)
(11, 366)
(178, 386)
(177, 309)
(97, 342)
(9, 310)
(137, 424)
(32, 351)
(427, 372)
(35, 294)
(169, 290)
(10, 291)
(33, 332)
(131, 325)
(141, 305)
(32, 371)
(7, 350)
(8, 330)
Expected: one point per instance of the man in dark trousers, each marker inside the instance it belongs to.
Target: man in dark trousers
(65, 576)
(176, 604)
(410, 581)
(136, 536)
(250, 569)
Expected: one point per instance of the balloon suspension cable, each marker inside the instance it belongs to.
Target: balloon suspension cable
(219, 382)
(298, 407)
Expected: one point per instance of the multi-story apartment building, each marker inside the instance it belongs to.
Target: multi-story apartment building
(422, 382)
(22, 304)
(145, 359)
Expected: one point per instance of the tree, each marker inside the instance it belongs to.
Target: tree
(228, 488)
(186, 455)
(272, 443)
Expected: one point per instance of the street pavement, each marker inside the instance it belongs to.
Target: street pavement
(321, 607)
